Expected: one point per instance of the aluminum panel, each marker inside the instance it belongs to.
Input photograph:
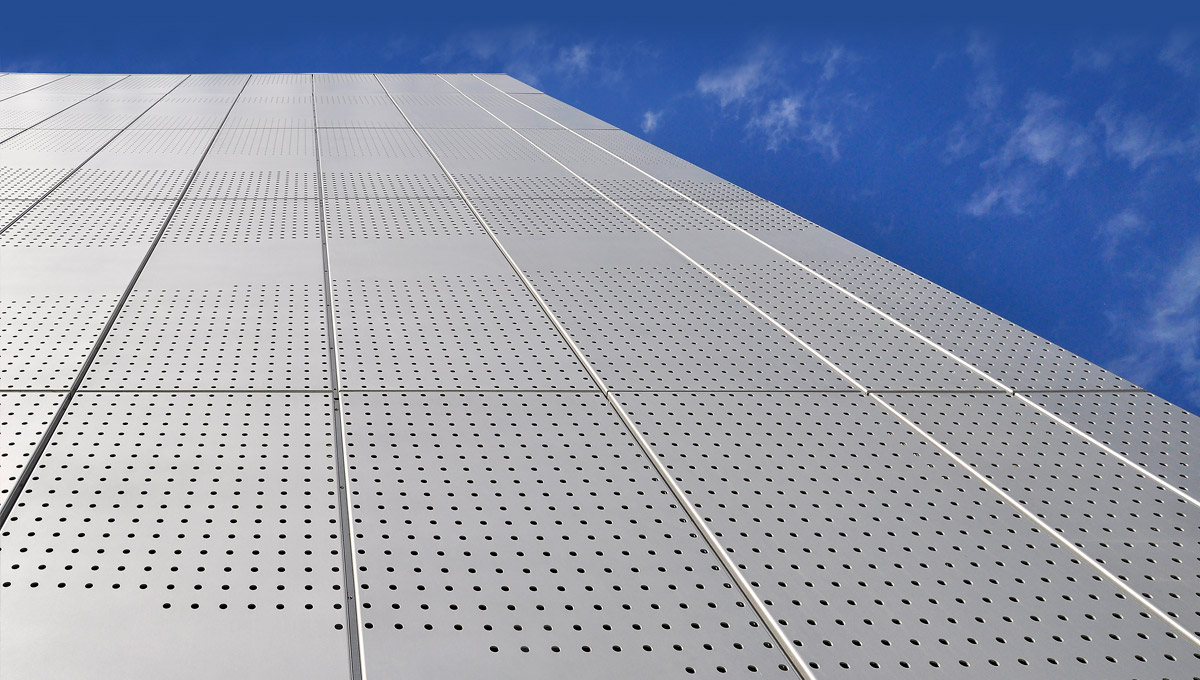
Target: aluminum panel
(1007, 352)
(16, 83)
(546, 217)
(1145, 535)
(24, 418)
(568, 116)
(399, 218)
(98, 184)
(88, 224)
(29, 183)
(56, 302)
(366, 110)
(345, 83)
(512, 112)
(375, 151)
(276, 184)
(11, 209)
(482, 549)
(442, 312)
(582, 157)
(414, 83)
(220, 337)
(385, 184)
(245, 220)
(444, 111)
(283, 262)
(1153, 433)
(154, 150)
(507, 83)
(672, 328)
(490, 152)
(232, 569)
(645, 155)
(272, 111)
(261, 149)
(881, 557)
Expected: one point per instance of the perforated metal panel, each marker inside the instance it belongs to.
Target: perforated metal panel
(881, 557)
(295, 389)
(525, 534)
(209, 519)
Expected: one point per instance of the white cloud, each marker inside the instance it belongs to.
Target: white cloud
(1047, 137)
(1136, 138)
(575, 60)
(1092, 59)
(737, 83)
(533, 55)
(1165, 335)
(1179, 54)
(1013, 193)
(779, 121)
(1114, 232)
(651, 120)
(986, 91)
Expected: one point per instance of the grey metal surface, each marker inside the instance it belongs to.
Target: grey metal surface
(294, 389)
(524, 535)
(1153, 433)
(882, 556)
(205, 522)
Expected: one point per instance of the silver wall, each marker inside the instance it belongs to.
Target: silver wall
(357, 376)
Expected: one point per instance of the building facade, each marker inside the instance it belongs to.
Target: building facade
(434, 376)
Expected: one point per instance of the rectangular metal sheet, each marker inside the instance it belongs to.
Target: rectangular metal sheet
(24, 418)
(881, 557)
(479, 555)
(198, 529)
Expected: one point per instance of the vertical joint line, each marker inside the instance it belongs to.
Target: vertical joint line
(35, 458)
(71, 106)
(1124, 460)
(341, 464)
(760, 608)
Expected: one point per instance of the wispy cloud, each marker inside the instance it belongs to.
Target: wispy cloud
(1047, 137)
(1013, 193)
(1181, 52)
(651, 121)
(782, 104)
(736, 83)
(1165, 334)
(532, 54)
(984, 95)
(1117, 230)
(1136, 138)
(986, 91)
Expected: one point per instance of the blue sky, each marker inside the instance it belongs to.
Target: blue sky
(1050, 173)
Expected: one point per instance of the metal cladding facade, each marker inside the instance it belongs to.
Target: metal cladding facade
(420, 376)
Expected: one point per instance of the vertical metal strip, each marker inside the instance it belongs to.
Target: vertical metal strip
(17, 94)
(722, 554)
(896, 413)
(1125, 460)
(342, 466)
(31, 464)
(89, 158)
(68, 108)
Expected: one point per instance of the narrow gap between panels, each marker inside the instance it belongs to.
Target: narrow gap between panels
(1125, 460)
(769, 620)
(350, 585)
(861, 388)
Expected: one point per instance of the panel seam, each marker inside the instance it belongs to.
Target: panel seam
(18, 94)
(760, 608)
(85, 161)
(32, 463)
(1010, 500)
(71, 106)
(342, 467)
(899, 324)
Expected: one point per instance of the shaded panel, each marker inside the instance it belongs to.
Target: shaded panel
(480, 556)
(207, 523)
(881, 557)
